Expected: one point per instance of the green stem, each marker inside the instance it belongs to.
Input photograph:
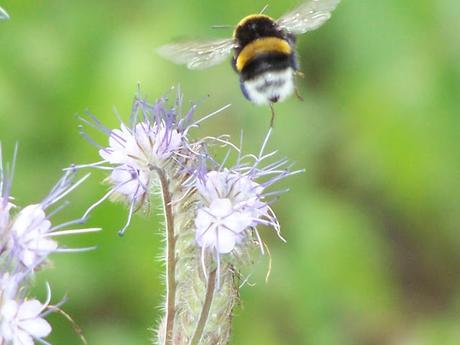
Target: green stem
(170, 256)
(205, 310)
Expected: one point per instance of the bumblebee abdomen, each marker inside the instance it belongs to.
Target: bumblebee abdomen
(269, 87)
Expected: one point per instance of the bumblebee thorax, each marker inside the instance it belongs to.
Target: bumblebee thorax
(253, 27)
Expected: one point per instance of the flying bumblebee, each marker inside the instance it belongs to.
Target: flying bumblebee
(264, 53)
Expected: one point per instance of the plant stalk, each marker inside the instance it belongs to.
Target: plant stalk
(205, 310)
(170, 257)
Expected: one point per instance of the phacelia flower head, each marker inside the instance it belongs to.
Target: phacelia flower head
(132, 183)
(155, 137)
(22, 322)
(27, 238)
(146, 144)
(235, 201)
(232, 204)
(30, 233)
(155, 133)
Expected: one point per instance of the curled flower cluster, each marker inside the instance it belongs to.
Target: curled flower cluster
(155, 137)
(231, 203)
(211, 211)
(27, 239)
(22, 321)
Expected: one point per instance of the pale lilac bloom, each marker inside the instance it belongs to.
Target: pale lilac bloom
(9, 285)
(30, 232)
(27, 238)
(147, 144)
(22, 322)
(155, 136)
(232, 204)
(132, 182)
(235, 201)
(30, 235)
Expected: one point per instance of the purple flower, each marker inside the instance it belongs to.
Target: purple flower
(235, 201)
(205, 206)
(231, 204)
(23, 322)
(27, 238)
(155, 138)
(9, 285)
(131, 183)
(147, 144)
(30, 235)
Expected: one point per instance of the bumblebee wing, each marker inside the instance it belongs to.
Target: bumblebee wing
(308, 16)
(196, 54)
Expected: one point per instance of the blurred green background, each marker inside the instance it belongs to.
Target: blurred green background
(373, 252)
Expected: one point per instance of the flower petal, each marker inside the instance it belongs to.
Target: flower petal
(226, 241)
(238, 221)
(36, 327)
(220, 208)
(30, 309)
(29, 215)
(9, 309)
(22, 338)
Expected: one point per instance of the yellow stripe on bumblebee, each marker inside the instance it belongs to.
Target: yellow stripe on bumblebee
(261, 46)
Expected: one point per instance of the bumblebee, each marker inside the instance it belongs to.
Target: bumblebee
(264, 53)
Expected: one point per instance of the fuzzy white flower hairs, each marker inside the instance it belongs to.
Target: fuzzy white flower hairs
(212, 212)
(27, 238)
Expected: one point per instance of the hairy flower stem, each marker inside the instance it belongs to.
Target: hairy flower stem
(206, 308)
(202, 311)
(171, 257)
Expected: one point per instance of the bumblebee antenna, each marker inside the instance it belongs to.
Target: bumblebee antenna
(263, 9)
(273, 115)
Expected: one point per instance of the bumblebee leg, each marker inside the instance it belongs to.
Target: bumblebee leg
(273, 115)
(297, 94)
(299, 74)
(296, 90)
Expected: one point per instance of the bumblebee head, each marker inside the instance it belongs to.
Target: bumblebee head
(253, 27)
